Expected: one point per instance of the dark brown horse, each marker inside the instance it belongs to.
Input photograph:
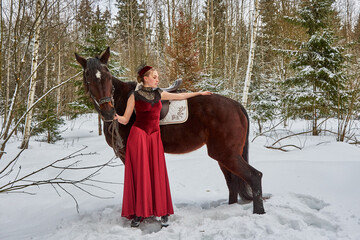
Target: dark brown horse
(219, 122)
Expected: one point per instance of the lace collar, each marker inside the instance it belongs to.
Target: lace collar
(146, 89)
(148, 94)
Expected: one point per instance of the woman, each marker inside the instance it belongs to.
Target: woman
(146, 184)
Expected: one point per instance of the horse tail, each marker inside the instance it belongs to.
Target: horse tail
(244, 189)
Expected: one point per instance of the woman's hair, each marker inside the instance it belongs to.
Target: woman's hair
(144, 71)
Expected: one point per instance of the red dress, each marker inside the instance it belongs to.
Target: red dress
(146, 184)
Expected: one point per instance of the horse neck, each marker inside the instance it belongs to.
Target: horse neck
(121, 93)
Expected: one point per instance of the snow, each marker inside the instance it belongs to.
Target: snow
(311, 194)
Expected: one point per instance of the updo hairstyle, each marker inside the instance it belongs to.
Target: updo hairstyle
(144, 72)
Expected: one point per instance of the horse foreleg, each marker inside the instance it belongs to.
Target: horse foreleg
(238, 166)
(230, 184)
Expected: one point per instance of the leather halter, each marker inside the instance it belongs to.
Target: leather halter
(102, 100)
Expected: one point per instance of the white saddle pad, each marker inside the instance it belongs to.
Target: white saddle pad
(178, 113)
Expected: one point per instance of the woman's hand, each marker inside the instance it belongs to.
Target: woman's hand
(120, 119)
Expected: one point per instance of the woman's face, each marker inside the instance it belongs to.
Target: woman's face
(152, 80)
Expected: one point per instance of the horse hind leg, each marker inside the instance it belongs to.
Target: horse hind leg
(236, 185)
(229, 177)
(239, 167)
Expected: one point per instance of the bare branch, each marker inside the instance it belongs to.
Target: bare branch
(282, 148)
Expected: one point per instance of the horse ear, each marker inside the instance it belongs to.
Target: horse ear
(105, 56)
(81, 60)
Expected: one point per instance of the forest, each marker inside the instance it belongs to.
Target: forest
(294, 59)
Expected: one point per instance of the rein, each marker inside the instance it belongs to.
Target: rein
(116, 139)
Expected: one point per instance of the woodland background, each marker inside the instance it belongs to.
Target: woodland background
(282, 59)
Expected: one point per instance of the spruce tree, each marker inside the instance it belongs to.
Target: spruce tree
(95, 43)
(84, 18)
(313, 92)
(47, 121)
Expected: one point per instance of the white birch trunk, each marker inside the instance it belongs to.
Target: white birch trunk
(253, 30)
(212, 38)
(8, 121)
(8, 67)
(34, 65)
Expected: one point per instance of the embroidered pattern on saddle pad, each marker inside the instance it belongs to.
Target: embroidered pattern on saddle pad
(178, 113)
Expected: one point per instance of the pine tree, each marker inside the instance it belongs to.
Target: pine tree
(318, 80)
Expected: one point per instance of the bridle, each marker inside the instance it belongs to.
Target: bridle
(107, 99)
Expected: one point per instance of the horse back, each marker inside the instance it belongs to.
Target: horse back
(217, 121)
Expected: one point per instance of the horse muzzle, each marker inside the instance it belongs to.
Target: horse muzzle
(107, 114)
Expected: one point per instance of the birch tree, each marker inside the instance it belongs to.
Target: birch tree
(34, 70)
(253, 32)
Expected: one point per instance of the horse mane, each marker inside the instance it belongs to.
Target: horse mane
(121, 93)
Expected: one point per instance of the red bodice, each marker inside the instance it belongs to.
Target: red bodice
(147, 116)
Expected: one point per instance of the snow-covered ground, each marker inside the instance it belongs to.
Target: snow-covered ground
(314, 194)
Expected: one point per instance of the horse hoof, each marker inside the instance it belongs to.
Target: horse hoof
(259, 211)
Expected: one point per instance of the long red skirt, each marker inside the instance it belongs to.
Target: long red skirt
(146, 184)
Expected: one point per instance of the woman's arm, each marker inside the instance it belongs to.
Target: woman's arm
(181, 96)
(128, 111)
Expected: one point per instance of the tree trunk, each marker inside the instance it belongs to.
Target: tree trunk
(46, 71)
(315, 118)
(144, 32)
(8, 120)
(34, 66)
(99, 125)
(58, 78)
(212, 38)
(207, 37)
(8, 64)
(1, 44)
(238, 45)
(226, 39)
(169, 21)
(253, 32)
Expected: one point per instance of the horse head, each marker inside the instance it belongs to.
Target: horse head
(97, 81)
